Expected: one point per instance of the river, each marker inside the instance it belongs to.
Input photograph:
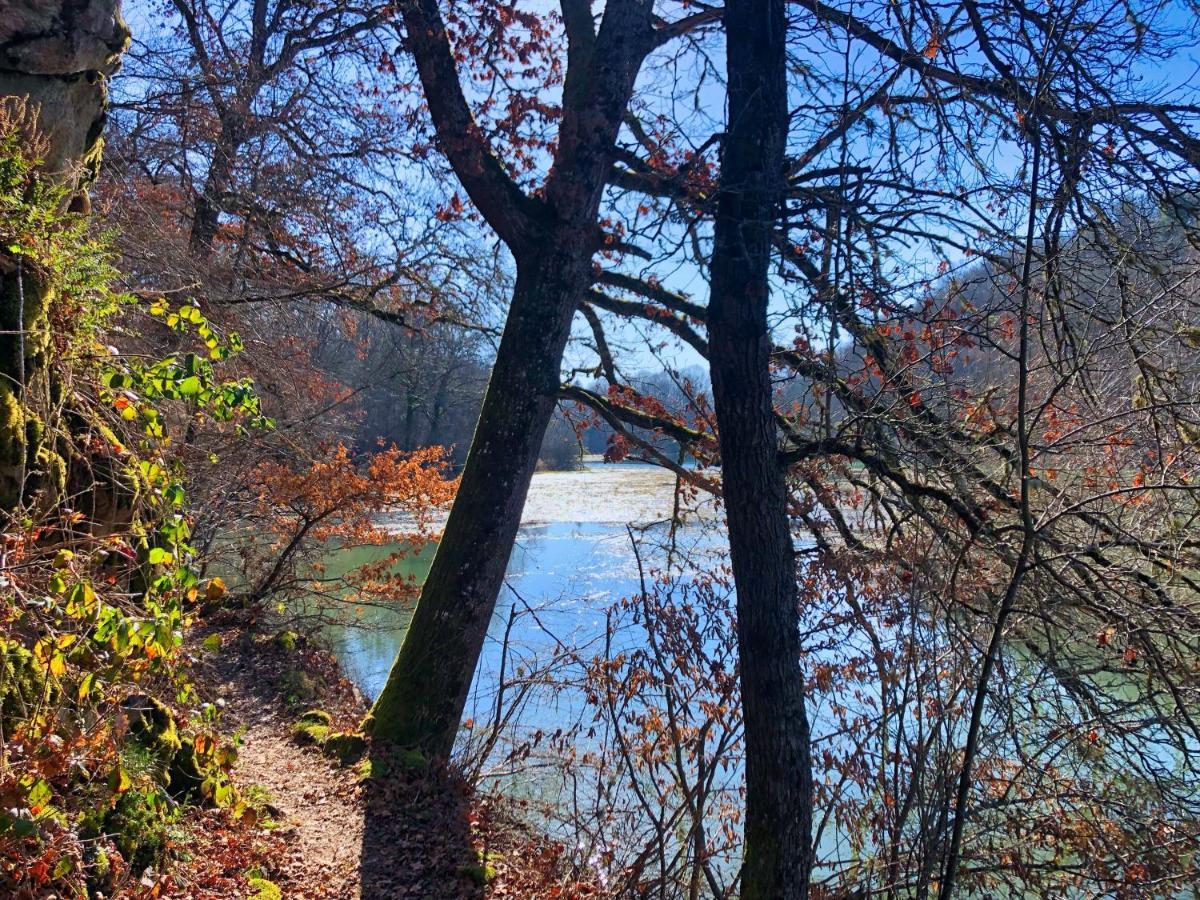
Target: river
(572, 559)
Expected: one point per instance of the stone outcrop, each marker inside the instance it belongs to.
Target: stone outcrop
(59, 54)
(55, 60)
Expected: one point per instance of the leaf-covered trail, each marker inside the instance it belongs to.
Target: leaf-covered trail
(316, 804)
(403, 833)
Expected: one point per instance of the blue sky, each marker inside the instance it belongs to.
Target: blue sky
(699, 111)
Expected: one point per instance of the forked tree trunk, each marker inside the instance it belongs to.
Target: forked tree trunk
(206, 217)
(55, 58)
(553, 238)
(778, 824)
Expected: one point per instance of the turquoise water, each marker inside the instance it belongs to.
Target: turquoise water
(567, 573)
(573, 558)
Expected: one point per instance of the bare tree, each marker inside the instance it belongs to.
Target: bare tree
(985, 259)
(778, 823)
(553, 237)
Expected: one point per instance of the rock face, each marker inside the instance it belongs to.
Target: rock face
(59, 54)
(55, 60)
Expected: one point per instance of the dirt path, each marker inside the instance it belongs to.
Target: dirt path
(320, 816)
(403, 833)
(316, 804)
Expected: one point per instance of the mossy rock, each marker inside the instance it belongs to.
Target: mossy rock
(481, 874)
(414, 761)
(310, 733)
(300, 687)
(188, 775)
(344, 746)
(23, 683)
(152, 724)
(21, 450)
(287, 641)
(316, 717)
(12, 428)
(185, 774)
(99, 871)
(53, 468)
(25, 455)
(137, 824)
(370, 768)
(198, 777)
(264, 889)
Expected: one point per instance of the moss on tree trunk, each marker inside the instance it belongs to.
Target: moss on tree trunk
(422, 701)
(32, 460)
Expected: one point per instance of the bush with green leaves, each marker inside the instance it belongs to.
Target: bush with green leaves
(104, 738)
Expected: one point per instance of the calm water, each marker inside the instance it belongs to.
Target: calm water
(573, 558)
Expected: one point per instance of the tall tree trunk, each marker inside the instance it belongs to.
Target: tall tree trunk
(55, 58)
(553, 238)
(424, 696)
(778, 854)
(206, 217)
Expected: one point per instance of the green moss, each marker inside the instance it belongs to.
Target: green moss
(310, 733)
(262, 889)
(344, 746)
(53, 469)
(414, 760)
(185, 776)
(38, 298)
(257, 803)
(315, 726)
(110, 436)
(370, 768)
(12, 428)
(152, 724)
(300, 687)
(316, 717)
(23, 683)
(138, 824)
(34, 430)
(480, 873)
(98, 871)
(13, 446)
(142, 764)
(287, 641)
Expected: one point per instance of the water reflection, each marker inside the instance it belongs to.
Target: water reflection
(572, 559)
(567, 573)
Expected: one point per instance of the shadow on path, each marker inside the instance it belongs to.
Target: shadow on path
(418, 834)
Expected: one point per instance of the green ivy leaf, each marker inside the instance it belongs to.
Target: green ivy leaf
(39, 796)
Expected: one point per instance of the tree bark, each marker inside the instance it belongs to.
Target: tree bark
(553, 239)
(422, 701)
(206, 217)
(55, 58)
(778, 825)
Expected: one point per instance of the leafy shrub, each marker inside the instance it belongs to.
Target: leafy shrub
(97, 586)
